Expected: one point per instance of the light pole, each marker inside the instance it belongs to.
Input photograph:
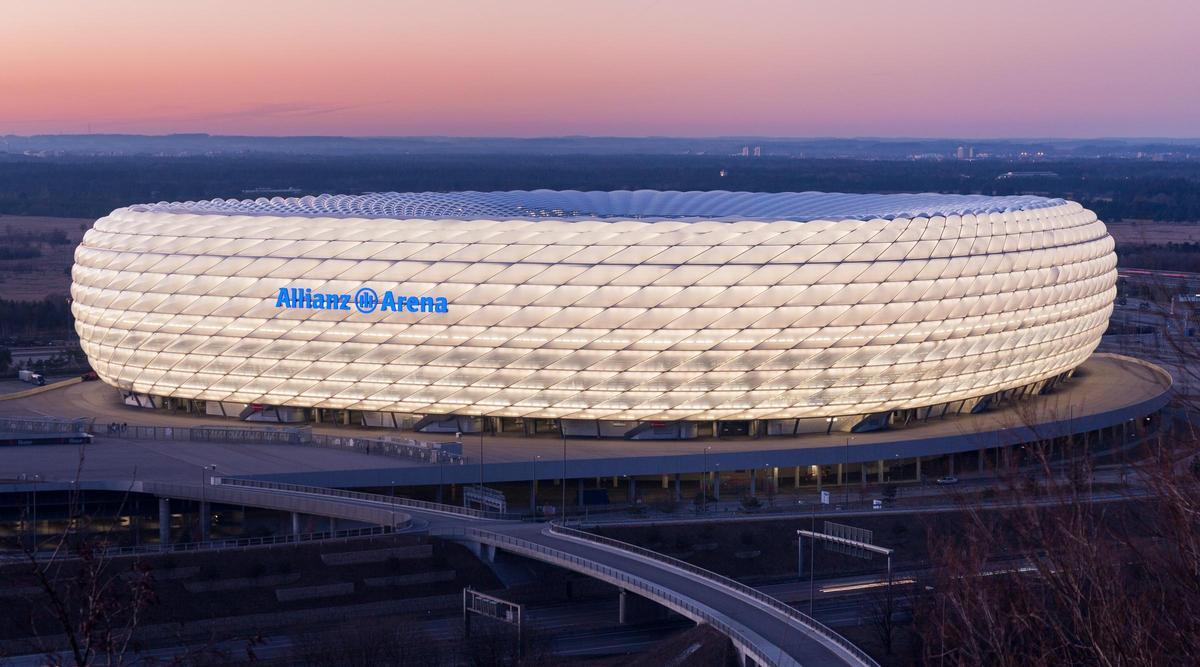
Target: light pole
(204, 512)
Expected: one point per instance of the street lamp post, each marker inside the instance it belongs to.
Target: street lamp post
(204, 512)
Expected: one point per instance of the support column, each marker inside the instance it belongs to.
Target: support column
(775, 479)
(678, 489)
(982, 459)
(205, 515)
(164, 521)
(614, 481)
(753, 480)
(796, 479)
(580, 494)
(621, 608)
(918, 469)
(717, 486)
(819, 482)
(840, 472)
(533, 496)
(881, 476)
(632, 492)
(666, 483)
(295, 523)
(952, 465)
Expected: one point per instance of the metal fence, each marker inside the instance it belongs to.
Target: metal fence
(413, 450)
(429, 452)
(287, 436)
(218, 545)
(44, 425)
(357, 495)
(787, 610)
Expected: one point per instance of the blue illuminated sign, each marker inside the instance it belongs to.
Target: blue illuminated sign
(364, 300)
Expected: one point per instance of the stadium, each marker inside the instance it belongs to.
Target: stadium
(637, 315)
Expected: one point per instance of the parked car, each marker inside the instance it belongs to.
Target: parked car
(947, 480)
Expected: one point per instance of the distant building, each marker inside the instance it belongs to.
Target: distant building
(1026, 174)
(965, 153)
(745, 151)
(758, 151)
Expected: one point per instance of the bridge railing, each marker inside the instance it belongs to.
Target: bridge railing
(783, 608)
(356, 495)
(651, 590)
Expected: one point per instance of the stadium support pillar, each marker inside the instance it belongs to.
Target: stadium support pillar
(982, 459)
(614, 481)
(918, 468)
(775, 479)
(295, 523)
(753, 481)
(717, 485)
(580, 493)
(205, 515)
(880, 480)
(632, 492)
(951, 464)
(532, 495)
(796, 479)
(839, 474)
(678, 489)
(164, 521)
(665, 482)
(819, 480)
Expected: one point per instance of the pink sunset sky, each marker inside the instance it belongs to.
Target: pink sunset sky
(961, 68)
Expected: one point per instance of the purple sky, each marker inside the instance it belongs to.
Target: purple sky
(959, 68)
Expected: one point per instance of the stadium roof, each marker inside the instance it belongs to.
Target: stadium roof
(620, 204)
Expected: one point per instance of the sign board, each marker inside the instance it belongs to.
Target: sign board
(877, 504)
(843, 535)
(485, 498)
(492, 607)
(824, 497)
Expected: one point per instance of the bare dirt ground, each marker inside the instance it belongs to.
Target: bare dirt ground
(1146, 232)
(33, 279)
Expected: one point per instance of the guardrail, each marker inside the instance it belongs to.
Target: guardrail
(653, 591)
(356, 495)
(44, 425)
(405, 448)
(789, 612)
(220, 545)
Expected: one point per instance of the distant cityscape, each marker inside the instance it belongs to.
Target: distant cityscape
(186, 145)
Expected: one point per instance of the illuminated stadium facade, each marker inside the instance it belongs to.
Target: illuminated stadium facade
(628, 314)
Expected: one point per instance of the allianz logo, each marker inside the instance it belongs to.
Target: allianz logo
(364, 300)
